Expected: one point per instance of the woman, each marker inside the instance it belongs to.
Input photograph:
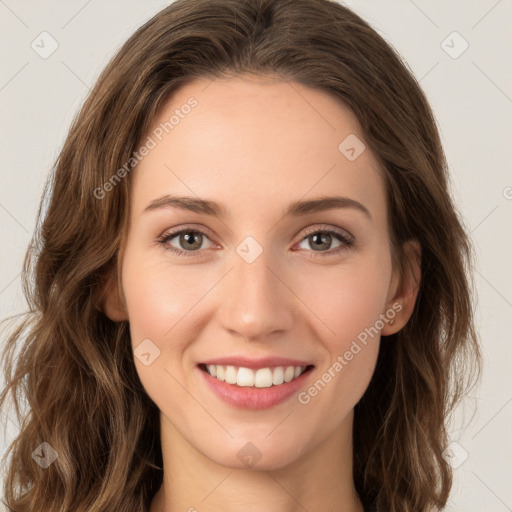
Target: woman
(250, 280)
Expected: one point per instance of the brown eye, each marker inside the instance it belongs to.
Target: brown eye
(184, 241)
(190, 240)
(321, 241)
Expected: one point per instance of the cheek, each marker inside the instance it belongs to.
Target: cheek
(347, 299)
(350, 302)
(160, 296)
(161, 301)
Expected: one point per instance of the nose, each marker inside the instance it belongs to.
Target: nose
(256, 301)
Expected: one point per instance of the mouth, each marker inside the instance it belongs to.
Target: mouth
(266, 377)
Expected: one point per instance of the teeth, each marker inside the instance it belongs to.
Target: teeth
(245, 377)
(230, 375)
(278, 376)
(262, 378)
(289, 373)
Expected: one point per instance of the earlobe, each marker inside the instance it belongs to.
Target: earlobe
(401, 306)
(111, 303)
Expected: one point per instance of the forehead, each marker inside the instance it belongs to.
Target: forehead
(259, 140)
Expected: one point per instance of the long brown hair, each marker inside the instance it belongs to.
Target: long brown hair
(75, 366)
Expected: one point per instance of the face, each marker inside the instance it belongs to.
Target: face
(256, 280)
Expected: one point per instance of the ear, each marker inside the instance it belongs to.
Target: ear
(112, 303)
(404, 289)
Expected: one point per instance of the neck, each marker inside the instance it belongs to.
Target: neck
(319, 480)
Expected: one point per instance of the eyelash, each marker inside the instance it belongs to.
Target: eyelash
(347, 241)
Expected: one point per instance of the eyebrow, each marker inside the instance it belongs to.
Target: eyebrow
(295, 209)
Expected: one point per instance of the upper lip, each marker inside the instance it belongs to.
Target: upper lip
(264, 362)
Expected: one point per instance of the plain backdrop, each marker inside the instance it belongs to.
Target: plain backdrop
(459, 52)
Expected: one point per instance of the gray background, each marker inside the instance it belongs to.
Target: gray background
(472, 99)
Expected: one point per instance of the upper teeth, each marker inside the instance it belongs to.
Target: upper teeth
(262, 378)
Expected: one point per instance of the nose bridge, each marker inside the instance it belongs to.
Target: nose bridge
(256, 303)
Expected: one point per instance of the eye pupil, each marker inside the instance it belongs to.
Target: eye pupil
(190, 237)
(320, 240)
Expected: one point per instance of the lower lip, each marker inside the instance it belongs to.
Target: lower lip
(252, 397)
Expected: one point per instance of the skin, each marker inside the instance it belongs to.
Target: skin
(255, 145)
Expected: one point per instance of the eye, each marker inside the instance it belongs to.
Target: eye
(321, 238)
(188, 241)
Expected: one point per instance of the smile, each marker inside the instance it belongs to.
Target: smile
(260, 378)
